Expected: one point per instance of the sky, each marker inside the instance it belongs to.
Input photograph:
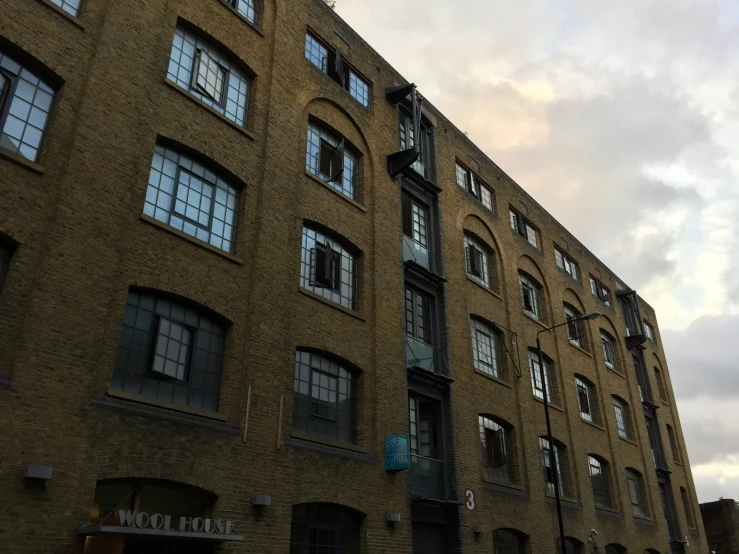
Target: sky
(622, 120)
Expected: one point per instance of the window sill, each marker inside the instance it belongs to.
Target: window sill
(580, 349)
(694, 532)
(593, 424)
(532, 318)
(677, 463)
(483, 287)
(569, 277)
(354, 100)
(566, 501)
(628, 441)
(494, 379)
(644, 520)
(248, 134)
(320, 298)
(76, 20)
(475, 200)
(20, 160)
(610, 512)
(320, 445)
(344, 197)
(251, 25)
(616, 371)
(504, 487)
(156, 223)
(553, 406)
(534, 248)
(162, 410)
(665, 402)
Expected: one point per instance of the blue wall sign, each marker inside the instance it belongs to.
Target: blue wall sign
(396, 453)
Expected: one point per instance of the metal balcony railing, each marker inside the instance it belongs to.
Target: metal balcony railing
(414, 251)
(427, 478)
(422, 355)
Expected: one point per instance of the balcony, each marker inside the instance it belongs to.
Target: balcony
(415, 252)
(632, 316)
(421, 355)
(427, 478)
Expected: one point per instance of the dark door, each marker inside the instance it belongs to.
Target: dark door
(430, 538)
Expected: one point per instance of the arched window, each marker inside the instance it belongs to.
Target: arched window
(325, 398)
(560, 457)
(587, 399)
(600, 479)
(487, 348)
(575, 329)
(572, 546)
(531, 297)
(615, 549)
(479, 261)
(170, 350)
(623, 417)
(687, 507)
(673, 444)
(536, 383)
(7, 248)
(652, 551)
(609, 350)
(186, 195)
(332, 159)
(509, 541)
(635, 484)
(328, 267)
(660, 385)
(496, 438)
(325, 528)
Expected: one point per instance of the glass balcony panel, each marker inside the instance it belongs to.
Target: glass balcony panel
(427, 477)
(414, 251)
(420, 354)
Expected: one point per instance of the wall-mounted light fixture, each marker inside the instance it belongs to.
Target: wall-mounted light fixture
(392, 518)
(478, 529)
(37, 476)
(260, 503)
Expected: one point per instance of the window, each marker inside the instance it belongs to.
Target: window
(536, 382)
(169, 351)
(615, 549)
(474, 185)
(509, 541)
(479, 263)
(5, 254)
(325, 398)
(560, 464)
(599, 479)
(649, 331)
(530, 296)
(25, 103)
(655, 443)
(623, 420)
(422, 165)
(246, 8)
(416, 235)
(328, 268)
(522, 226)
(600, 291)
(209, 75)
(567, 264)
(72, 7)
(575, 329)
(660, 385)
(497, 445)
(586, 399)
(329, 158)
(642, 381)
(673, 444)
(186, 195)
(418, 318)
(486, 348)
(330, 62)
(609, 349)
(424, 421)
(687, 507)
(636, 492)
(572, 546)
(324, 528)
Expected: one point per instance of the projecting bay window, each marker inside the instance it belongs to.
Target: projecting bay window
(479, 261)
(635, 485)
(536, 383)
(550, 466)
(328, 268)
(475, 186)
(25, 105)
(586, 399)
(245, 8)
(422, 165)
(330, 158)
(419, 330)
(416, 231)
(600, 291)
(189, 197)
(496, 438)
(426, 447)
(566, 263)
(330, 61)
(530, 296)
(209, 75)
(523, 227)
(486, 348)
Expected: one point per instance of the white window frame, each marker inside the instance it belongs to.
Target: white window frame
(623, 409)
(485, 338)
(571, 313)
(347, 181)
(534, 294)
(600, 291)
(566, 263)
(531, 233)
(536, 385)
(609, 350)
(648, 330)
(635, 484)
(475, 186)
(485, 279)
(586, 390)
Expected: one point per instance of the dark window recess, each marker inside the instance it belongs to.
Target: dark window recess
(169, 351)
(634, 325)
(508, 541)
(331, 160)
(655, 442)
(572, 546)
(328, 267)
(600, 291)
(474, 256)
(325, 529)
(642, 380)
(418, 322)
(673, 529)
(5, 255)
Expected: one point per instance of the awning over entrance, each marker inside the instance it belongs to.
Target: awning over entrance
(90, 530)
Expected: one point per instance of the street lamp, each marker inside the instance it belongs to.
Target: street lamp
(552, 456)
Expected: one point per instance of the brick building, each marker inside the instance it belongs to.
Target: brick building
(721, 521)
(238, 251)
